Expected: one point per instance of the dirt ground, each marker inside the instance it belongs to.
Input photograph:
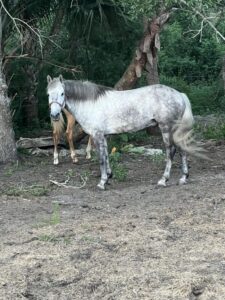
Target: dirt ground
(132, 241)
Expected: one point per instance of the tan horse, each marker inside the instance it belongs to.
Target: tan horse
(58, 128)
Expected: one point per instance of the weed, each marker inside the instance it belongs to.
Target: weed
(23, 151)
(70, 173)
(87, 238)
(47, 238)
(33, 190)
(10, 170)
(55, 217)
(157, 158)
(119, 171)
(216, 132)
(120, 140)
(54, 239)
(94, 157)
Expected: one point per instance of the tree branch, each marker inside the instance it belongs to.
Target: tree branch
(204, 19)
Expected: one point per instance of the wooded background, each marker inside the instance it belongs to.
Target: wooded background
(120, 43)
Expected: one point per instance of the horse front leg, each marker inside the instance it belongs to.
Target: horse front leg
(55, 154)
(100, 144)
(69, 135)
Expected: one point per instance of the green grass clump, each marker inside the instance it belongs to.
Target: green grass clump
(216, 132)
(34, 190)
(119, 171)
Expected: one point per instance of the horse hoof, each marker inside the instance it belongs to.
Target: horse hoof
(101, 186)
(182, 181)
(56, 162)
(162, 182)
(75, 160)
(88, 156)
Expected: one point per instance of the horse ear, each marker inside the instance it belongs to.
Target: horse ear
(49, 78)
(60, 78)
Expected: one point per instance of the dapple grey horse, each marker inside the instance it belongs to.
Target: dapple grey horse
(102, 111)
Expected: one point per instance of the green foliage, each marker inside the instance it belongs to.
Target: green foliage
(119, 171)
(206, 97)
(157, 158)
(120, 140)
(216, 132)
(99, 38)
(34, 190)
(55, 217)
(200, 62)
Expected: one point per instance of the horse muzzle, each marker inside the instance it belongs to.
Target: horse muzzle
(55, 117)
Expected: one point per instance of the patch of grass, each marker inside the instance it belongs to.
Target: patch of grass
(47, 238)
(54, 239)
(70, 173)
(119, 171)
(55, 217)
(120, 140)
(88, 238)
(23, 151)
(157, 158)
(11, 169)
(216, 132)
(33, 190)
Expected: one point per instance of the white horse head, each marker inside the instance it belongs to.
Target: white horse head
(56, 96)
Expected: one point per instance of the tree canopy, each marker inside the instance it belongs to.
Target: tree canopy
(96, 40)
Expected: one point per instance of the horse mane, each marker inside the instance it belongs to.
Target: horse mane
(84, 90)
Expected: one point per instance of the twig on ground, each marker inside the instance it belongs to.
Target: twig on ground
(64, 184)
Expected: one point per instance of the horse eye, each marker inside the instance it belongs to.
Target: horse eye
(62, 94)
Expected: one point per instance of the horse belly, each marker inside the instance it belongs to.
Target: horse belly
(129, 121)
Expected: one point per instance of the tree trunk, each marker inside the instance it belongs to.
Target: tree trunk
(223, 73)
(7, 137)
(145, 55)
(30, 103)
(152, 71)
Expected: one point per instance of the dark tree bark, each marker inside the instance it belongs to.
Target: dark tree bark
(223, 73)
(145, 55)
(7, 137)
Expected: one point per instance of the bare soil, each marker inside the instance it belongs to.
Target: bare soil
(132, 241)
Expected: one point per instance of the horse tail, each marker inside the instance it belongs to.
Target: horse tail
(183, 132)
(58, 126)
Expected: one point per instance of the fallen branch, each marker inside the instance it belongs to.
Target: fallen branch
(35, 142)
(64, 184)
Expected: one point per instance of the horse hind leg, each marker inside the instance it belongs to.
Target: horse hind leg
(184, 168)
(109, 170)
(170, 152)
(101, 147)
